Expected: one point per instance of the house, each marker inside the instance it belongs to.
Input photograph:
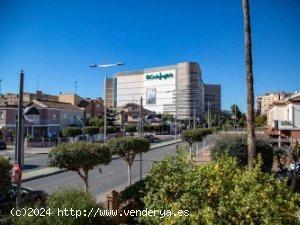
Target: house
(91, 108)
(54, 117)
(283, 118)
(130, 113)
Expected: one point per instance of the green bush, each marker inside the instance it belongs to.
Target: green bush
(91, 130)
(197, 135)
(109, 129)
(71, 131)
(217, 193)
(5, 180)
(96, 122)
(66, 199)
(130, 128)
(136, 191)
(235, 145)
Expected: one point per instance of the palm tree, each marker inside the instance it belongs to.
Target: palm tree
(250, 91)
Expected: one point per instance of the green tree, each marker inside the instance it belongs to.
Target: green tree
(261, 121)
(72, 132)
(131, 129)
(250, 89)
(80, 157)
(235, 145)
(109, 129)
(96, 122)
(5, 179)
(295, 153)
(167, 117)
(236, 112)
(91, 130)
(193, 136)
(128, 148)
(217, 193)
(70, 198)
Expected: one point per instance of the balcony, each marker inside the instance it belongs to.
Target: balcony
(285, 125)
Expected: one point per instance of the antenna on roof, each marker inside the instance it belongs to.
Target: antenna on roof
(37, 82)
(1, 86)
(75, 87)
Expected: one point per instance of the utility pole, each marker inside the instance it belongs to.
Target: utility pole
(141, 135)
(104, 101)
(194, 115)
(208, 115)
(19, 133)
(75, 87)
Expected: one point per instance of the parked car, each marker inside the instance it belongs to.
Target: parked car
(27, 195)
(2, 145)
(150, 138)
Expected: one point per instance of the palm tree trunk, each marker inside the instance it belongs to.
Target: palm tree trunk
(250, 91)
(129, 175)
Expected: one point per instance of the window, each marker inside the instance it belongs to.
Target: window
(1, 115)
(54, 116)
(151, 96)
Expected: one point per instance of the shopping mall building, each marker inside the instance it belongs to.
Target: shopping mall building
(176, 89)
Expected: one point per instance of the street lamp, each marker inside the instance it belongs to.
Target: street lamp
(106, 66)
(30, 114)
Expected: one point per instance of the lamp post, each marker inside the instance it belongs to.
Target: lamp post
(30, 114)
(106, 66)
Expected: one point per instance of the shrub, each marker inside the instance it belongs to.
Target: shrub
(5, 179)
(91, 130)
(109, 129)
(136, 191)
(80, 157)
(128, 148)
(192, 136)
(219, 192)
(65, 199)
(235, 145)
(130, 128)
(96, 122)
(71, 132)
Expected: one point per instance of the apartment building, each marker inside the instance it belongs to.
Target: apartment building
(264, 101)
(212, 97)
(283, 117)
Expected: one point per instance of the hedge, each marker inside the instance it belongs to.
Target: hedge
(235, 145)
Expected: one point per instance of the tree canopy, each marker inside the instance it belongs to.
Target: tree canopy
(219, 192)
(80, 157)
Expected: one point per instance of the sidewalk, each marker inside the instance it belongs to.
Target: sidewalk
(204, 156)
(48, 171)
(35, 174)
(46, 150)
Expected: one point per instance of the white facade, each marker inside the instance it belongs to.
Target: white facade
(176, 89)
(287, 116)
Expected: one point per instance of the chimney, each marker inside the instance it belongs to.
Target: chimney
(39, 95)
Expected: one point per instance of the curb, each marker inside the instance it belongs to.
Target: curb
(44, 175)
(113, 157)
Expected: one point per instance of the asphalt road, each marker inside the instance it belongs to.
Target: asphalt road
(112, 176)
(35, 161)
(32, 161)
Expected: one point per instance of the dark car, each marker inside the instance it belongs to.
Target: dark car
(150, 138)
(2, 145)
(27, 196)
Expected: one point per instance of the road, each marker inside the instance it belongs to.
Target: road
(113, 176)
(32, 161)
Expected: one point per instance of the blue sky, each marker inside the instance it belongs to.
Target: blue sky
(57, 40)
